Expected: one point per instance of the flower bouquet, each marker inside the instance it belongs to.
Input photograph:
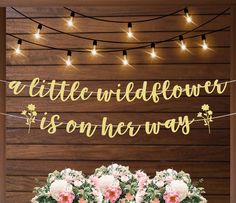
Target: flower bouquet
(169, 186)
(117, 184)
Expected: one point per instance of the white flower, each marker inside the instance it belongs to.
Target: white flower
(178, 186)
(160, 183)
(139, 196)
(98, 195)
(124, 179)
(78, 183)
(34, 200)
(107, 181)
(59, 186)
(203, 200)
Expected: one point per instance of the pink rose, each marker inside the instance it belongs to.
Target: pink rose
(172, 197)
(112, 194)
(66, 197)
(155, 200)
(129, 197)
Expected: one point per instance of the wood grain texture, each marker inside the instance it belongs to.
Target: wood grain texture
(100, 152)
(117, 72)
(233, 109)
(2, 102)
(200, 154)
(196, 169)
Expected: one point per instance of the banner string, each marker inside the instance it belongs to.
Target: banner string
(133, 125)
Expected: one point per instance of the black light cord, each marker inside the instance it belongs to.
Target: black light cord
(125, 22)
(119, 42)
(115, 50)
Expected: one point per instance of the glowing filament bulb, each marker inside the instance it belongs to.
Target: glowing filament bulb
(17, 49)
(130, 33)
(125, 59)
(153, 52)
(69, 61)
(182, 44)
(37, 34)
(204, 43)
(94, 50)
(70, 21)
(187, 16)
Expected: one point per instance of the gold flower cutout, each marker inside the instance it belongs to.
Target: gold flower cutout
(206, 114)
(30, 114)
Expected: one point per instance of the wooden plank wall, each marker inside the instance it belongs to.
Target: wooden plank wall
(35, 155)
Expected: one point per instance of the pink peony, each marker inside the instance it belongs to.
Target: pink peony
(172, 197)
(129, 197)
(112, 194)
(66, 197)
(155, 200)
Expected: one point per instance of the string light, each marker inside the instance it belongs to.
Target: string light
(70, 21)
(204, 43)
(182, 44)
(69, 60)
(125, 59)
(130, 33)
(187, 16)
(94, 50)
(153, 52)
(17, 49)
(37, 34)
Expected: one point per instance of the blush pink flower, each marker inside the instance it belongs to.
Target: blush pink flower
(172, 197)
(155, 200)
(66, 197)
(129, 197)
(112, 194)
(82, 200)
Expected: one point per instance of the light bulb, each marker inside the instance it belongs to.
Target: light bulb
(17, 49)
(204, 43)
(37, 34)
(94, 50)
(187, 16)
(70, 21)
(125, 59)
(69, 61)
(130, 33)
(182, 44)
(153, 52)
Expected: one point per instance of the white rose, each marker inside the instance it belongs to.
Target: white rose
(59, 186)
(107, 181)
(178, 186)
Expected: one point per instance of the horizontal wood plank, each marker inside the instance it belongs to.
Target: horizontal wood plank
(103, 72)
(196, 169)
(89, 25)
(119, 11)
(217, 39)
(167, 56)
(196, 137)
(100, 152)
(181, 105)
